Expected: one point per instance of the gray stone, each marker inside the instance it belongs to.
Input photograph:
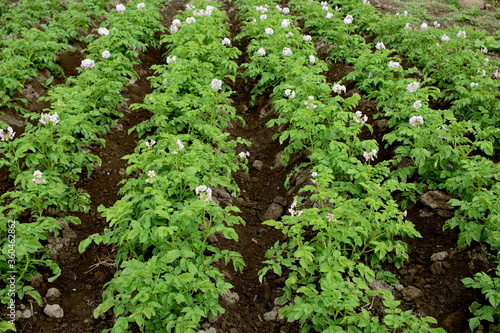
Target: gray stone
(36, 280)
(53, 293)
(280, 200)
(410, 293)
(379, 284)
(436, 200)
(230, 298)
(26, 314)
(271, 315)
(439, 256)
(258, 165)
(54, 311)
(273, 212)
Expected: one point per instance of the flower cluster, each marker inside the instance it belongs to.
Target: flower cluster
(180, 145)
(380, 46)
(292, 210)
(360, 118)
(7, 135)
(348, 19)
(285, 23)
(141, 5)
(461, 34)
(151, 176)
(204, 191)
(269, 31)
(103, 31)
(338, 88)
(190, 6)
(263, 17)
(216, 84)
(417, 104)
(424, 26)
(412, 87)
(474, 84)
(416, 121)
(106, 54)
(290, 93)
(190, 20)
(171, 59)
(261, 51)
(207, 12)
(226, 41)
(330, 216)
(309, 104)
(314, 175)
(150, 144)
(445, 38)
(261, 9)
(393, 64)
(286, 51)
(87, 63)
(37, 179)
(284, 10)
(370, 156)
(46, 118)
(312, 59)
(307, 38)
(120, 8)
(244, 154)
(329, 15)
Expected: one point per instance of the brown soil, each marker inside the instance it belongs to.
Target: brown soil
(83, 275)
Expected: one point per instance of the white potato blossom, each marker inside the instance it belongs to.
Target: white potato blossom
(244, 154)
(261, 51)
(151, 176)
(408, 26)
(436, 24)
(226, 41)
(286, 51)
(290, 93)
(176, 22)
(424, 26)
(261, 9)
(204, 192)
(348, 19)
(216, 84)
(445, 38)
(285, 10)
(417, 104)
(338, 88)
(412, 87)
(263, 17)
(360, 118)
(307, 38)
(285, 23)
(150, 144)
(171, 60)
(141, 5)
(103, 31)
(393, 64)
(380, 46)
(329, 15)
(325, 8)
(269, 31)
(106, 54)
(87, 63)
(484, 50)
(370, 156)
(416, 121)
(120, 8)
(37, 179)
(190, 20)
(289, 34)
(7, 135)
(46, 118)
(190, 6)
(461, 34)
(312, 59)
(474, 84)
(174, 29)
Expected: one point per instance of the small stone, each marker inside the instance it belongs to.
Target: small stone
(410, 293)
(53, 293)
(444, 213)
(258, 165)
(271, 315)
(436, 200)
(439, 256)
(399, 287)
(36, 280)
(230, 298)
(273, 212)
(379, 284)
(26, 314)
(54, 311)
(280, 200)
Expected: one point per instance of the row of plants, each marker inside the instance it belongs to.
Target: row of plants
(29, 45)
(448, 148)
(169, 276)
(347, 223)
(48, 159)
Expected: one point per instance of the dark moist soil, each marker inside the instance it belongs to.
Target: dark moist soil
(262, 196)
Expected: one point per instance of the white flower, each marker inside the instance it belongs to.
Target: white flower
(103, 31)
(261, 9)
(473, 84)
(423, 26)
(286, 51)
(141, 5)
(150, 144)
(200, 188)
(244, 154)
(445, 38)
(412, 87)
(380, 46)
(120, 8)
(46, 118)
(496, 74)
(416, 121)
(226, 41)
(261, 51)
(306, 38)
(405, 13)
(285, 23)
(484, 50)
(338, 88)
(151, 176)
(312, 59)
(176, 22)
(329, 15)
(290, 93)
(289, 34)
(173, 29)
(360, 118)
(461, 34)
(190, 6)
(408, 26)
(393, 64)
(370, 156)
(269, 31)
(348, 19)
(325, 8)
(171, 59)
(179, 143)
(263, 17)
(37, 179)
(417, 104)
(207, 190)
(190, 20)
(436, 24)
(106, 54)
(314, 174)
(8, 135)
(216, 84)
(366, 2)
(87, 63)
(285, 10)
